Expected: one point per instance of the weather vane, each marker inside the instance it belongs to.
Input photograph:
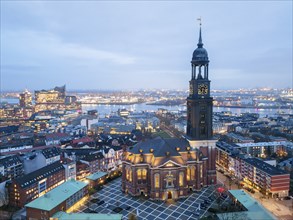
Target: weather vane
(199, 19)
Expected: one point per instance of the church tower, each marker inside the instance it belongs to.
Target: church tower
(199, 131)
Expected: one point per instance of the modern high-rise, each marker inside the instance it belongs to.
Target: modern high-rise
(25, 99)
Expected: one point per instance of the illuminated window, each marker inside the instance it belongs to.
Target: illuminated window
(188, 174)
(157, 180)
(192, 173)
(138, 172)
(144, 174)
(181, 179)
(141, 174)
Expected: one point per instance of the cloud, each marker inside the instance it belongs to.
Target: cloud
(44, 44)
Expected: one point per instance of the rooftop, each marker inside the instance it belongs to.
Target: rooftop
(255, 211)
(57, 195)
(91, 216)
(265, 167)
(39, 174)
(51, 152)
(96, 175)
(10, 161)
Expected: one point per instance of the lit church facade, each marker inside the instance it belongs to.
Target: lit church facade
(172, 168)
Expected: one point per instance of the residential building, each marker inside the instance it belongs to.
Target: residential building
(12, 167)
(96, 162)
(40, 158)
(33, 185)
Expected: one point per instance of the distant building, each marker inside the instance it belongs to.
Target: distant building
(96, 162)
(40, 158)
(25, 99)
(83, 141)
(286, 165)
(70, 99)
(33, 185)
(55, 138)
(236, 138)
(11, 167)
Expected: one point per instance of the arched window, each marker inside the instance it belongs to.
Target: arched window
(157, 180)
(192, 172)
(188, 174)
(181, 179)
(139, 172)
(130, 175)
(144, 174)
(127, 173)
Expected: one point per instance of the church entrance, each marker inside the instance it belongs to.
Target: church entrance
(169, 195)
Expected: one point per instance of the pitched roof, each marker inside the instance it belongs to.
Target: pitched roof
(39, 174)
(10, 161)
(57, 136)
(83, 140)
(51, 152)
(57, 195)
(93, 157)
(161, 146)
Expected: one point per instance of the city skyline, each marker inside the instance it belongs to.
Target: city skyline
(143, 45)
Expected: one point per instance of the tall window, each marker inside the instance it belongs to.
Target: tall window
(188, 174)
(141, 174)
(129, 174)
(181, 179)
(192, 173)
(157, 180)
(138, 172)
(200, 171)
(144, 174)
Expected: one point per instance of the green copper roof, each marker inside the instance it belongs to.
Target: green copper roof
(255, 211)
(57, 195)
(96, 175)
(91, 216)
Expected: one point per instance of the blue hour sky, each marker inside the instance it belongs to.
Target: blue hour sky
(132, 45)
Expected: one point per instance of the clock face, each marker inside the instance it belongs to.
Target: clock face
(202, 89)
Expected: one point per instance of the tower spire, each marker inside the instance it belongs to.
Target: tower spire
(200, 44)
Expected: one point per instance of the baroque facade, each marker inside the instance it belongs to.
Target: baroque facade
(171, 168)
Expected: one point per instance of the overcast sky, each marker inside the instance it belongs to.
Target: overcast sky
(133, 45)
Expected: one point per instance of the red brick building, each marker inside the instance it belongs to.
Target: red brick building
(33, 185)
(165, 169)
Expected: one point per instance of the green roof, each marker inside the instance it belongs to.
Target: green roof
(57, 195)
(88, 216)
(255, 211)
(96, 175)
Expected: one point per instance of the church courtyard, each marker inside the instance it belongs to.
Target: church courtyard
(111, 198)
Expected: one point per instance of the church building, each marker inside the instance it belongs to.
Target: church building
(172, 168)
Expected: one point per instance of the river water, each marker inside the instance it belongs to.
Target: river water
(104, 109)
